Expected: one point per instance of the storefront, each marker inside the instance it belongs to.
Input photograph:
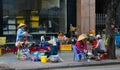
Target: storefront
(47, 16)
(41, 16)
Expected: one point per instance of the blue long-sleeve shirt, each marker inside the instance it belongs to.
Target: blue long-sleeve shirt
(20, 35)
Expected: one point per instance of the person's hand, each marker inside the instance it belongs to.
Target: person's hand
(93, 47)
(96, 47)
(85, 50)
(26, 42)
(25, 33)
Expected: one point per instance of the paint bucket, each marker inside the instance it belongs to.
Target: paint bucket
(43, 59)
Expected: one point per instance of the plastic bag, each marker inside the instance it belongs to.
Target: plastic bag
(55, 58)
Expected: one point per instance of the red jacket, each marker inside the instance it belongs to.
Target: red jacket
(80, 46)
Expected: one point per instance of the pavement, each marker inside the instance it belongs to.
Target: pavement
(9, 61)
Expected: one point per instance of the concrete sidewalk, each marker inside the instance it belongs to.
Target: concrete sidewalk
(38, 66)
(9, 61)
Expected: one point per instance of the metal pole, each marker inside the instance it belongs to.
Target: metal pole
(89, 15)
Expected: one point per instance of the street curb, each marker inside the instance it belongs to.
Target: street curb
(5, 67)
(77, 64)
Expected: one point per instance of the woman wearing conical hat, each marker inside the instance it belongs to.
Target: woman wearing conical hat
(82, 46)
(22, 42)
(21, 32)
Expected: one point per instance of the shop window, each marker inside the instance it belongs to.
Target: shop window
(41, 16)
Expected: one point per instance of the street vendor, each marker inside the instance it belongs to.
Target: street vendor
(82, 47)
(99, 48)
(62, 38)
(21, 33)
(23, 52)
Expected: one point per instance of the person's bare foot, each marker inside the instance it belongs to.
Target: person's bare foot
(98, 58)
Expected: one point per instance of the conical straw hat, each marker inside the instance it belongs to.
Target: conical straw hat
(22, 24)
(81, 37)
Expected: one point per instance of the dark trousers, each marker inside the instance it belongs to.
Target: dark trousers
(97, 51)
(53, 51)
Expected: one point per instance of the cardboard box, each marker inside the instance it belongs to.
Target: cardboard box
(2, 40)
(66, 47)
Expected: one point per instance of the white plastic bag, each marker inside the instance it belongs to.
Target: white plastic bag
(55, 58)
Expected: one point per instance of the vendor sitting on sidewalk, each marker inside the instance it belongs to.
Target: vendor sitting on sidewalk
(62, 38)
(82, 46)
(99, 48)
(50, 46)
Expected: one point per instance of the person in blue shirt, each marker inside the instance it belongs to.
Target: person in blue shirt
(22, 43)
(21, 33)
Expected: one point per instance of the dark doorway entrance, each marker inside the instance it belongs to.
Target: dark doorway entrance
(1, 18)
(100, 16)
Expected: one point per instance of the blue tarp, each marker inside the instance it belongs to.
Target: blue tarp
(117, 40)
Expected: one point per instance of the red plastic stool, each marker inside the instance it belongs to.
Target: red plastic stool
(104, 56)
(15, 50)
